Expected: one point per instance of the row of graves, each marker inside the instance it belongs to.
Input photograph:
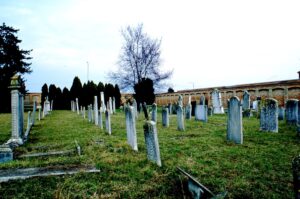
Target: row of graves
(267, 111)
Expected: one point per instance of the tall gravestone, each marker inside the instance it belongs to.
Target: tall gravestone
(102, 102)
(180, 119)
(269, 116)
(201, 110)
(234, 121)
(130, 127)
(170, 108)
(110, 105)
(151, 140)
(107, 122)
(154, 113)
(165, 117)
(96, 110)
(77, 106)
(134, 104)
(217, 102)
(180, 101)
(114, 105)
(188, 111)
(246, 104)
(16, 134)
(292, 111)
(100, 122)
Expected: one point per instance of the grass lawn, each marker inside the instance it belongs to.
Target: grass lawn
(260, 168)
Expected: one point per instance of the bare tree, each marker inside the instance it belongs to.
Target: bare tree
(139, 59)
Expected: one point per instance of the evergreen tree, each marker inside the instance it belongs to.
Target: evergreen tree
(76, 89)
(52, 92)
(12, 60)
(144, 92)
(45, 93)
(117, 96)
(109, 91)
(66, 99)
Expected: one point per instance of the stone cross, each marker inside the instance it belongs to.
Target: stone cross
(292, 111)
(165, 117)
(180, 119)
(234, 121)
(96, 110)
(269, 116)
(151, 140)
(217, 102)
(107, 122)
(130, 127)
(154, 113)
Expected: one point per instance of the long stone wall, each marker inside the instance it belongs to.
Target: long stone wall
(279, 90)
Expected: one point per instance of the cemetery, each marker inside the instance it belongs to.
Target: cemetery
(128, 153)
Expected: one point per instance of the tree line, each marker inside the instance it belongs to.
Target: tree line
(85, 94)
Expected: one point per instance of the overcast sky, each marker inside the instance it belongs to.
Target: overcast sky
(206, 43)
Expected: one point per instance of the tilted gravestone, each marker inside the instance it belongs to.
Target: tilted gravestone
(281, 112)
(130, 127)
(107, 122)
(165, 117)
(269, 116)
(151, 140)
(154, 113)
(96, 110)
(296, 176)
(217, 102)
(291, 111)
(180, 119)
(234, 121)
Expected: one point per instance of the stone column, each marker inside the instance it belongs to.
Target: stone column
(96, 110)
(234, 121)
(16, 134)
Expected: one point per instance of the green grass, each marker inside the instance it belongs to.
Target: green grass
(260, 168)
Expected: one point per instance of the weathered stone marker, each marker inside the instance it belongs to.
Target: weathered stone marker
(151, 140)
(180, 101)
(134, 104)
(114, 105)
(269, 116)
(145, 111)
(281, 112)
(170, 108)
(130, 127)
(296, 176)
(246, 100)
(100, 122)
(154, 113)
(96, 110)
(292, 111)
(217, 102)
(234, 121)
(165, 117)
(110, 105)
(188, 111)
(180, 119)
(77, 106)
(102, 102)
(201, 110)
(107, 122)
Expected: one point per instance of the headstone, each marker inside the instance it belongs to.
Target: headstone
(130, 127)
(201, 110)
(107, 122)
(217, 102)
(255, 105)
(296, 176)
(145, 111)
(29, 125)
(165, 117)
(180, 103)
(170, 108)
(134, 104)
(234, 121)
(281, 112)
(291, 111)
(16, 134)
(33, 110)
(246, 100)
(269, 116)
(151, 140)
(83, 112)
(210, 111)
(114, 105)
(96, 110)
(180, 119)
(100, 123)
(102, 101)
(154, 113)
(51, 105)
(21, 117)
(89, 113)
(110, 105)
(39, 113)
(188, 111)
(77, 106)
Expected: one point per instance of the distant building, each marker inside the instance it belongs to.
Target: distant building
(29, 98)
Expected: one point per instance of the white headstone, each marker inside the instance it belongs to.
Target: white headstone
(217, 102)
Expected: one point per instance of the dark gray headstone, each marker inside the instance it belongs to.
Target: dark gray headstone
(269, 116)
(291, 111)
(151, 140)
(170, 108)
(281, 112)
(180, 119)
(234, 122)
(100, 120)
(165, 117)
(154, 113)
